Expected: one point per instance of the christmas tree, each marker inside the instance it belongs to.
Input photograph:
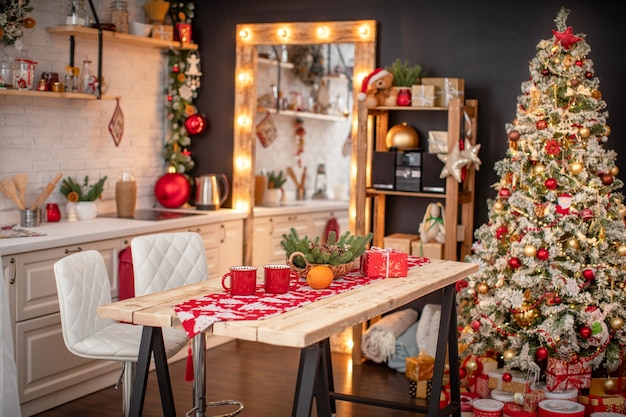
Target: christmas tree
(552, 256)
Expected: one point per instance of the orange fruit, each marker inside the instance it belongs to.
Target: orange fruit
(319, 277)
(72, 196)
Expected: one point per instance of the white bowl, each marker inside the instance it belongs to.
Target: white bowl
(139, 29)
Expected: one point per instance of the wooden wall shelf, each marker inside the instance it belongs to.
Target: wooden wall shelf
(52, 94)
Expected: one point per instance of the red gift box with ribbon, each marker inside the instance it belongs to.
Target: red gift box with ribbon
(388, 263)
(478, 381)
(563, 375)
(597, 404)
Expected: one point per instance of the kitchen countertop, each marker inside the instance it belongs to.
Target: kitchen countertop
(102, 227)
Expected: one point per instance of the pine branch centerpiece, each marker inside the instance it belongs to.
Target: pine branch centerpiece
(302, 253)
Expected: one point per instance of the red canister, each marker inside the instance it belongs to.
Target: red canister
(52, 212)
(561, 408)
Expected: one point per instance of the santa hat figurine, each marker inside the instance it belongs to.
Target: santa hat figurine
(372, 77)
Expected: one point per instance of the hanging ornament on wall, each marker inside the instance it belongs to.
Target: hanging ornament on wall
(454, 163)
(195, 124)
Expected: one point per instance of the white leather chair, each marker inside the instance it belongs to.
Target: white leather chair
(163, 261)
(83, 284)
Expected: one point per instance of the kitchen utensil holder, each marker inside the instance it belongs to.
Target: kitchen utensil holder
(30, 218)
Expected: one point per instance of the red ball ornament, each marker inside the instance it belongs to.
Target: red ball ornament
(557, 300)
(589, 274)
(462, 373)
(172, 190)
(545, 72)
(588, 75)
(541, 124)
(542, 254)
(504, 193)
(175, 69)
(541, 353)
(514, 135)
(607, 179)
(507, 377)
(550, 184)
(195, 124)
(514, 263)
(170, 98)
(501, 231)
(585, 332)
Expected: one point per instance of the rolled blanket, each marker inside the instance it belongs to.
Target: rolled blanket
(379, 341)
(406, 347)
(428, 329)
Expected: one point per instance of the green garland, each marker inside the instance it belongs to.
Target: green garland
(13, 20)
(181, 11)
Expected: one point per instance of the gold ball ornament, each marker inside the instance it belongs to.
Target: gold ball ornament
(471, 366)
(530, 251)
(568, 61)
(482, 288)
(526, 315)
(573, 243)
(402, 136)
(621, 250)
(539, 168)
(508, 354)
(498, 206)
(617, 323)
(576, 168)
(614, 171)
(584, 132)
(610, 385)
(596, 94)
(607, 130)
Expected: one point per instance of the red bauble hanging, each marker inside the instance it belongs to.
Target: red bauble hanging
(507, 377)
(551, 184)
(542, 254)
(172, 190)
(514, 263)
(541, 353)
(195, 124)
(585, 332)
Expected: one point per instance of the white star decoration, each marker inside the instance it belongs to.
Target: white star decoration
(471, 152)
(454, 163)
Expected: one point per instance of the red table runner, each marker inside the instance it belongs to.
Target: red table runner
(198, 314)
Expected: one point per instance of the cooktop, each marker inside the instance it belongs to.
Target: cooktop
(154, 215)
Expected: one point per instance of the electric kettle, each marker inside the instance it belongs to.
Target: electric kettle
(211, 191)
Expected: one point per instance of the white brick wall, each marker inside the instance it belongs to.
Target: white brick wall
(43, 136)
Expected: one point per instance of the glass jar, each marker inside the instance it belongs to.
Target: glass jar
(87, 78)
(24, 74)
(119, 15)
(76, 13)
(6, 72)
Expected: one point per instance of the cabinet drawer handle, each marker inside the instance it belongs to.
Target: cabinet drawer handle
(198, 230)
(14, 277)
(271, 227)
(292, 218)
(223, 238)
(78, 249)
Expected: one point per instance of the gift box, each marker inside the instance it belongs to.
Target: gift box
(389, 263)
(430, 250)
(478, 381)
(533, 398)
(400, 241)
(445, 89)
(516, 384)
(596, 404)
(438, 141)
(563, 375)
(421, 367)
(420, 389)
(423, 95)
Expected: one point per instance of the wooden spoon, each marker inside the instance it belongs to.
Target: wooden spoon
(46, 193)
(8, 188)
(21, 181)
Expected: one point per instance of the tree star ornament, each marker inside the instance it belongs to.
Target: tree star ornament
(454, 163)
(567, 38)
(471, 152)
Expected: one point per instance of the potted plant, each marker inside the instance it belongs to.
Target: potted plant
(82, 198)
(404, 76)
(273, 194)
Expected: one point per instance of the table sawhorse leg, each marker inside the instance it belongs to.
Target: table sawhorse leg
(152, 343)
(313, 381)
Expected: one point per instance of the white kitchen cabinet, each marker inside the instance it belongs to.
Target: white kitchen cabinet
(46, 371)
(223, 243)
(269, 230)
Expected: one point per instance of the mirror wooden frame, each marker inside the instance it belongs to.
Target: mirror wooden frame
(362, 33)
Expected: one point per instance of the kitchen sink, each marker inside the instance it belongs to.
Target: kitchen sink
(155, 215)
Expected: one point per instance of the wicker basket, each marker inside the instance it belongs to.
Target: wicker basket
(338, 270)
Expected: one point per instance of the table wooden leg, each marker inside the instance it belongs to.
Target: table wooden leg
(152, 342)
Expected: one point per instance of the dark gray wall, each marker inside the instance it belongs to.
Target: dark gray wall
(487, 43)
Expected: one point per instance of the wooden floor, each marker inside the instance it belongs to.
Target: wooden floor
(263, 377)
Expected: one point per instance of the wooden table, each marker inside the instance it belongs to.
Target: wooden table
(309, 328)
